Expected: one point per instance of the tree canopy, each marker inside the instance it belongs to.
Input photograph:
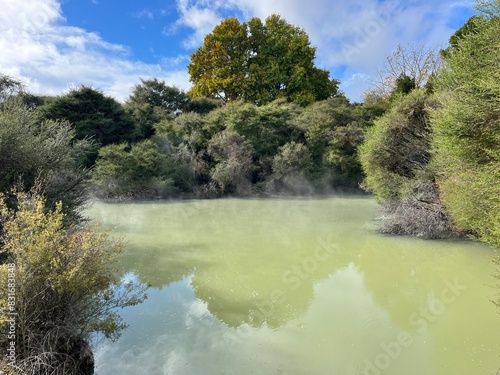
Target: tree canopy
(259, 62)
(152, 101)
(46, 150)
(93, 116)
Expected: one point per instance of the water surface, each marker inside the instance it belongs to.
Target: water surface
(296, 286)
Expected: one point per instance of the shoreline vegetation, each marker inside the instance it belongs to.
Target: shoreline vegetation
(425, 141)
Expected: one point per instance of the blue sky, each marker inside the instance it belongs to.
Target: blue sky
(54, 45)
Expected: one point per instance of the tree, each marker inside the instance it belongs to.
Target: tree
(470, 27)
(281, 64)
(201, 105)
(341, 155)
(333, 129)
(64, 285)
(291, 169)
(466, 145)
(411, 65)
(259, 62)
(47, 150)
(233, 169)
(9, 88)
(137, 171)
(217, 69)
(152, 101)
(266, 128)
(93, 115)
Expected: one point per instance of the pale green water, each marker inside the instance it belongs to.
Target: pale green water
(297, 287)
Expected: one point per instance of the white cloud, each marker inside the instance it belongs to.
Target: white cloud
(145, 13)
(50, 57)
(357, 33)
(202, 17)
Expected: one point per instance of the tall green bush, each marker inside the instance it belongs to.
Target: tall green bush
(395, 158)
(466, 145)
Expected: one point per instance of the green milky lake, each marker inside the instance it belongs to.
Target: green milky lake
(296, 286)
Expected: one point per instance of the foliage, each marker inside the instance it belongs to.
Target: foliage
(395, 158)
(65, 287)
(320, 120)
(416, 62)
(152, 101)
(31, 150)
(397, 147)
(291, 169)
(93, 116)
(233, 169)
(217, 68)
(466, 146)
(266, 128)
(470, 27)
(137, 171)
(341, 155)
(201, 105)
(9, 88)
(333, 129)
(259, 62)
(198, 154)
(404, 85)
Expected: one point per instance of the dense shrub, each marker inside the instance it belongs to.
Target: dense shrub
(47, 150)
(138, 171)
(466, 146)
(93, 116)
(395, 158)
(64, 288)
(397, 147)
(233, 169)
(291, 170)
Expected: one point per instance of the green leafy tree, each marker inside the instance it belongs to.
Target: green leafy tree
(341, 155)
(266, 128)
(217, 69)
(47, 150)
(137, 171)
(333, 129)
(466, 146)
(93, 115)
(201, 105)
(291, 169)
(281, 64)
(397, 147)
(152, 101)
(259, 62)
(470, 27)
(319, 121)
